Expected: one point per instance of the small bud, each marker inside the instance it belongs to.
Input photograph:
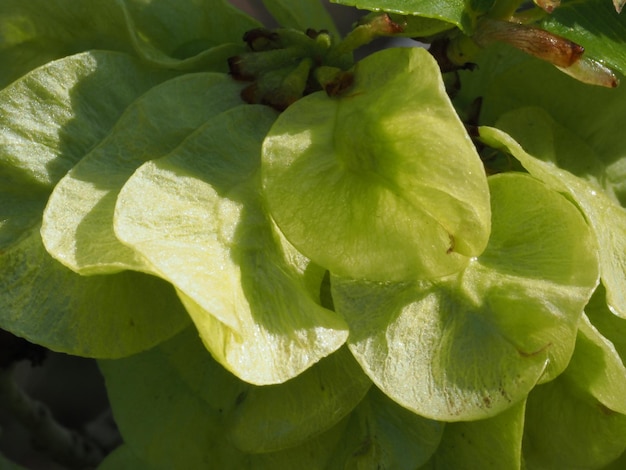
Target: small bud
(548, 5)
(534, 41)
(619, 4)
(592, 72)
(261, 39)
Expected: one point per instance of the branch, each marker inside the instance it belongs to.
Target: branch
(63, 445)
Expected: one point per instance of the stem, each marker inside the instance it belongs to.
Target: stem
(63, 445)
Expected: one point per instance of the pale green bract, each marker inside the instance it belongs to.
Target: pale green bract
(201, 226)
(431, 346)
(179, 386)
(360, 183)
(78, 220)
(43, 301)
(606, 217)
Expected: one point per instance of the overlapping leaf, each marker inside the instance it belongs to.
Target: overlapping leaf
(382, 434)
(178, 386)
(78, 220)
(471, 345)
(575, 141)
(606, 217)
(200, 224)
(186, 34)
(493, 443)
(270, 418)
(177, 34)
(362, 183)
(577, 420)
(78, 99)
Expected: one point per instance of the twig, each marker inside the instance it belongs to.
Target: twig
(65, 446)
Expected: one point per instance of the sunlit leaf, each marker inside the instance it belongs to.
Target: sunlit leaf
(362, 183)
(200, 224)
(558, 147)
(471, 345)
(42, 300)
(78, 220)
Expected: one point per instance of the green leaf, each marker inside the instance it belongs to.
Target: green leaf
(598, 368)
(471, 345)
(196, 217)
(38, 31)
(492, 443)
(83, 94)
(98, 316)
(609, 325)
(596, 26)
(187, 34)
(556, 145)
(163, 421)
(568, 424)
(179, 386)
(452, 11)
(43, 301)
(270, 418)
(301, 15)
(382, 434)
(78, 221)
(362, 183)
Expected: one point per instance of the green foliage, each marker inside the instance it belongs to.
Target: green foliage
(344, 281)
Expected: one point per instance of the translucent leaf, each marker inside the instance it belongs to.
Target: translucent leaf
(606, 217)
(567, 423)
(382, 434)
(78, 220)
(492, 443)
(301, 15)
(43, 301)
(83, 94)
(196, 217)
(471, 345)
(383, 182)
(452, 11)
(176, 386)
